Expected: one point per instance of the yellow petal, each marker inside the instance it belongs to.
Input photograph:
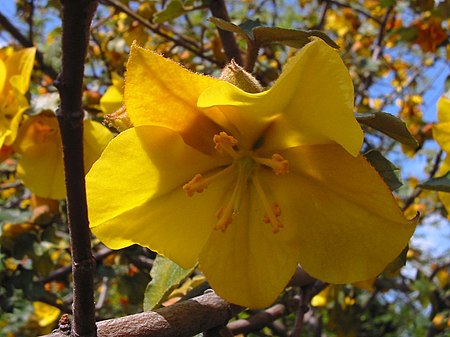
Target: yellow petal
(350, 226)
(248, 264)
(2, 75)
(19, 66)
(312, 102)
(443, 109)
(95, 139)
(441, 133)
(111, 100)
(443, 196)
(41, 169)
(160, 92)
(46, 314)
(140, 176)
(441, 130)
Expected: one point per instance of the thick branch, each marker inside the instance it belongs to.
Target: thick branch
(24, 41)
(186, 318)
(77, 17)
(218, 9)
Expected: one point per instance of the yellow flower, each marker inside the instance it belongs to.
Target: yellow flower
(248, 185)
(41, 167)
(441, 133)
(46, 314)
(15, 71)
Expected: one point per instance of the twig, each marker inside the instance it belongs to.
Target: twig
(15, 33)
(154, 28)
(186, 318)
(418, 191)
(219, 10)
(257, 321)
(63, 271)
(360, 11)
(76, 17)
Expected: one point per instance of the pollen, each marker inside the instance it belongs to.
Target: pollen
(196, 184)
(277, 163)
(226, 143)
(272, 212)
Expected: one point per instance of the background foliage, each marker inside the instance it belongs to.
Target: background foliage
(397, 53)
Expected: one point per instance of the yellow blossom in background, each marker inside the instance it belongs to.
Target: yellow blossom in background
(113, 96)
(46, 314)
(15, 72)
(247, 184)
(41, 166)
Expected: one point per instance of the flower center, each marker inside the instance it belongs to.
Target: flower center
(247, 165)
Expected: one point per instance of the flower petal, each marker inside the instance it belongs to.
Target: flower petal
(441, 133)
(160, 92)
(41, 169)
(443, 109)
(95, 139)
(133, 187)
(350, 226)
(19, 66)
(312, 102)
(248, 264)
(444, 196)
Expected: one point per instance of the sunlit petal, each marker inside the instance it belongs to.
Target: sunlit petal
(350, 227)
(160, 92)
(249, 264)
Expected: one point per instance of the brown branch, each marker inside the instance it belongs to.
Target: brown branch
(186, 318)
(24, 41)
(219, 10)
(257, 321)
(76, 18)
(63, 271)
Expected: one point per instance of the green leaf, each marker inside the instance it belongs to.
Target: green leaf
(173, 10)
(441, 184)
(252, 31)
(166, 276)
(387, 170)
(389, 125)
(248, 26)
(398, 262)
(290, 37)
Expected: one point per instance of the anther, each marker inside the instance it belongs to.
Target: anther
(199, 183)
(225, 143)
(196, 184)
(277, 163)
(271, 212)
(225, 217)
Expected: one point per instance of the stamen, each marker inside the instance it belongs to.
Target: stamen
(225, 143)
(199, 183)
(272, 212)
(225, 215)
(277, 163)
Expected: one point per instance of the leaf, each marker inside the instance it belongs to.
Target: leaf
(441, 184)
(166, 276)
(252, 31)
(387, 170)
(290, 37)
(173, 10)
(389, 125)
(248, 26)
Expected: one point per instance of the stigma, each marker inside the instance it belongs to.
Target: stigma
(247, 165)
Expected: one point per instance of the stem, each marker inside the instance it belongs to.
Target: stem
(219, 10)
(76, 18)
